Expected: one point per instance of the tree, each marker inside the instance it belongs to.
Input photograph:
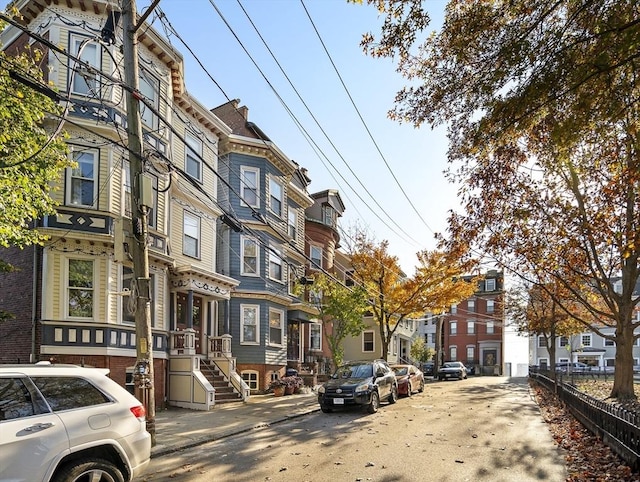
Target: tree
(541, 104)
(31, 158)
(340, 308)
(420, 351)
(436, 284)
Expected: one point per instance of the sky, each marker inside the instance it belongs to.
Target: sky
(299, 68)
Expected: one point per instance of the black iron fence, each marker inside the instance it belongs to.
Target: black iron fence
(618, 427)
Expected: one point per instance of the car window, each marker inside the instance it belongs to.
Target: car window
(355, 371)
(17, 401)
(400, 370)
(66, 393)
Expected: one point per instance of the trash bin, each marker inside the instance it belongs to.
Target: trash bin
(291, 372)
(496, 369)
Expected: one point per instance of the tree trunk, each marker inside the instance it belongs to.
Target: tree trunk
(623, 386)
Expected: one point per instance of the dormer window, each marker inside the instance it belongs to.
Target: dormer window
(329, 215)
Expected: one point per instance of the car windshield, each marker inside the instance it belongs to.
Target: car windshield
(400, 370)
(354, 371)
(450, 365)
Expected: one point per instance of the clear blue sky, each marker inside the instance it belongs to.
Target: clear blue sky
(416, 157)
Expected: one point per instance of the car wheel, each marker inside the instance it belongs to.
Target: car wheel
(325, 409)
(374, 403)
(97, 470)
(421, 387)
(393, 396)
(409, 390)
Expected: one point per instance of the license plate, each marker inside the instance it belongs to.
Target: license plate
(338, 401)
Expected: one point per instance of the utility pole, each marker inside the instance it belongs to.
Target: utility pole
(140, 194)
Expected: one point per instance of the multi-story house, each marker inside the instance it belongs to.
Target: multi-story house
(266, 195)
(472, 330)
(77, 308)
(322, 240)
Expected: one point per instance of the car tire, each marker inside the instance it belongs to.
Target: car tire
(325, 409)
(409, 390)
(393, 396)
(374, 403)
(87, 470)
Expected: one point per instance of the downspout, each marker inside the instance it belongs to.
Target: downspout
(34, 296)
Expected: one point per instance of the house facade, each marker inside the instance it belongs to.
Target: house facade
(266, 192)
(472, 330)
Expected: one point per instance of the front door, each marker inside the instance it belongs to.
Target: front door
(293, 341)
(182, 322)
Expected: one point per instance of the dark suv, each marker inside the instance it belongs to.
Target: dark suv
(359, 383)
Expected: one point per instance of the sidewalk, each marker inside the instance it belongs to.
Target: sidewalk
(178, 428)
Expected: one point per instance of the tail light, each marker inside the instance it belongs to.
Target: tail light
(139, 412)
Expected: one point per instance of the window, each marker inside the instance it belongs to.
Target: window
(490, 306)
(84, 80)
(68, 393)
(315, 253)
(19, 400)
(276, 318)
(454, 309)
(471, 327)
(367, 342)
(249, 253)
(191, 238)
(293, 223)
(490, 284)
(542, 342)
(82, 180)
(193, 156)
(610, 362)
(453, 353)
(564, 341)
(453, 327)
(275, 264)
(433, 338)
(249, 182)
(149, 87)
(608, 342)
(251, 379)
(490, 327)
(128, 209)
(585, 340)
(471, 353)
(329, 216)
(249, 328)
(315, 336)
(80, 288)
(275, 197)
(471, 306)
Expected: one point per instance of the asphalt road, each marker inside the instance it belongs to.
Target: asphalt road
(478, 429)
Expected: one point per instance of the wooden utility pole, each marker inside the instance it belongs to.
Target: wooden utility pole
(140, 194)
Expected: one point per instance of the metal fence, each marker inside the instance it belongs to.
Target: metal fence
(617, 427)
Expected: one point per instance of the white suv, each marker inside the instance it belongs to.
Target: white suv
(64, 423)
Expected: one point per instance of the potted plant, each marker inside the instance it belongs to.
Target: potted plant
(278, 386)
(292, 383)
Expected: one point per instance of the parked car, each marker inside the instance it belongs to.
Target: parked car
(359, 383)
(69, 424)
(452, 369)
(428, 368)
(471, 368)
(409, 379)
(572, 367)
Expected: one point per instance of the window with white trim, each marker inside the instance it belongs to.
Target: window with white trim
(471, 352)
(490, 284)
(585, 339)
(563, 341)
(80, 288)
(368, 345)
(490, 306)
(453, 327)
(275, 196)
(275, 264)
(315, 336)
(471, 306)
(471, 327)
(149, 87)
(191, 235)
(329, 216)
(293, 223)
(542, 342)
(250, 257)
(276, 327)
(490, 327)
(453, 353)
(609, 362)
(193, 156)
(85, 81)
(82, 180)
(454, 309)
(249, 186)
(249, 326)
(315, 253)
(251, 378)
(608, 342)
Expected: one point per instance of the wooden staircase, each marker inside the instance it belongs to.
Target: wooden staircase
(225, 393)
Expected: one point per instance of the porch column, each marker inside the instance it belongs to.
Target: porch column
(227, 317)
(190, 309)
